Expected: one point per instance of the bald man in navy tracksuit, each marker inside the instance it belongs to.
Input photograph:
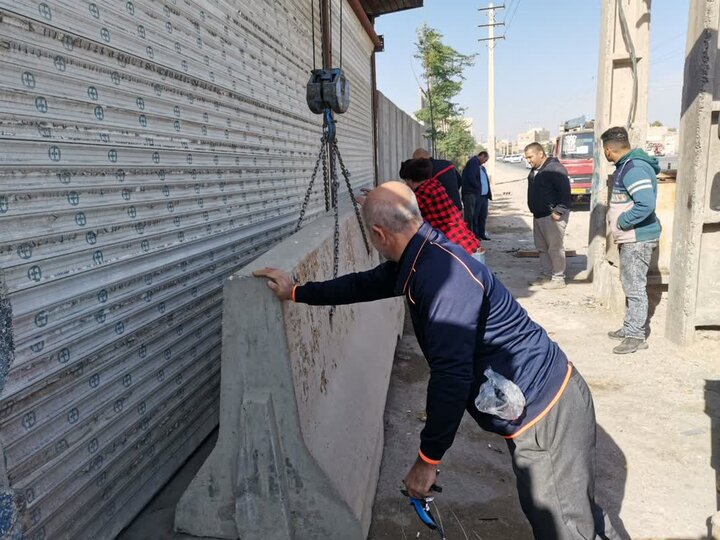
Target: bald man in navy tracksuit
(466, 321)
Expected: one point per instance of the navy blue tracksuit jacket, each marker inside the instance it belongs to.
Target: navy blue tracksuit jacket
(465, 320)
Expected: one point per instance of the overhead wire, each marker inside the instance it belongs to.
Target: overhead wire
(341, 31)
(511, 16)
(630, 46)
(312, 17)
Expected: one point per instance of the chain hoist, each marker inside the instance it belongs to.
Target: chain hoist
(328, 92)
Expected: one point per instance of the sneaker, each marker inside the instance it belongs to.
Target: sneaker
(630, 345)
(540, 280)
(554, 284)
(617, 334)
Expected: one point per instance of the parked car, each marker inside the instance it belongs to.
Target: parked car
(514, 158)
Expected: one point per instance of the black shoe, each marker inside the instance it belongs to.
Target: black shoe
(630, 345)
(617, 334)
(484, 237)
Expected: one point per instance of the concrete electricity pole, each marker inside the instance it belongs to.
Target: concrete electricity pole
(622, 91)
(491, 81)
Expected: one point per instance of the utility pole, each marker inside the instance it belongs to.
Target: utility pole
(622, 92)
(491, 80)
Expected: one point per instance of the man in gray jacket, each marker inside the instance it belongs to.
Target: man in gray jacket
(549, 201)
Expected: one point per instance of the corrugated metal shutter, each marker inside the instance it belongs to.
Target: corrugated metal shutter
(147, 149)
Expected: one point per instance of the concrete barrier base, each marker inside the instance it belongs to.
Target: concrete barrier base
(607, 287)
(301, 407)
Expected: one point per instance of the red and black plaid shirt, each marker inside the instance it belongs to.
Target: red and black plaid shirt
(439, 211)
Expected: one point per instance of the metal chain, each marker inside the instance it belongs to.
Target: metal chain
(356, 206)
(308, 193)
(328, 145)
(326, 176)
(336, 217)
(336, 214)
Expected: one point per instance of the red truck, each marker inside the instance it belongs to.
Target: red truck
(575, 149)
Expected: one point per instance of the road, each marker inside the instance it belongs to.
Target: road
(666, 162)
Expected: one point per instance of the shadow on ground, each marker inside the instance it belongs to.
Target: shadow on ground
(479, 499)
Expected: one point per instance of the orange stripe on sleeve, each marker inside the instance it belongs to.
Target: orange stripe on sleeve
(546, 410)
(293, 293)
(427, 459)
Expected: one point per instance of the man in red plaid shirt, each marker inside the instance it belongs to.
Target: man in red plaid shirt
(436, 206)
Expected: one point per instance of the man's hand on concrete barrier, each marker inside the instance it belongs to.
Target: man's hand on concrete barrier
(280, 282)
(421, 476)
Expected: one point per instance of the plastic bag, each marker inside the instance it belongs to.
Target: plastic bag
(480, 255)
(500, 397)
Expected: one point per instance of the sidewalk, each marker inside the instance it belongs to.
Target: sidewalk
(658, 410)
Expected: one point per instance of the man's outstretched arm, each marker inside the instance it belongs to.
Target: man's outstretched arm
(367, 286)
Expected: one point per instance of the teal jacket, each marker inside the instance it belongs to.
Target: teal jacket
(631, 217)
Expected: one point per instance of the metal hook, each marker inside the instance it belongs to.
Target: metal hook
(329, 125)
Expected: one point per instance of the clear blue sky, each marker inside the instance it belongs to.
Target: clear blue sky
(546, 69)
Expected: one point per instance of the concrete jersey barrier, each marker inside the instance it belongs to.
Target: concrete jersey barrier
(301, 403)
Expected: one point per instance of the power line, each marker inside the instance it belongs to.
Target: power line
(516, 5)
(509, 6)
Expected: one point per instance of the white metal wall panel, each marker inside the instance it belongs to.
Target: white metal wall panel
(399, 135)
(147, 149)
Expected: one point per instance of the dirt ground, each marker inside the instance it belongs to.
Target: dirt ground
(658, 415)
(658, 410)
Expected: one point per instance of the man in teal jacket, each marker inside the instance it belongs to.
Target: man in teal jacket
(635, 228)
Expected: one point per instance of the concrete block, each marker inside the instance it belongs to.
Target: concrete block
(301, 403)
(607, 287)
(715, 526)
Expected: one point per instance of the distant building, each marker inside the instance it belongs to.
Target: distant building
(539, 135)
(474, 129)
(503, 147)
(662, 140)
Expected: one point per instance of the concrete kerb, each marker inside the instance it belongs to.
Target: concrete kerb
(301, 403)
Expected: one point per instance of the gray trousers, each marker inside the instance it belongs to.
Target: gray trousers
(634, 265)
(549, 241)
(554, 463)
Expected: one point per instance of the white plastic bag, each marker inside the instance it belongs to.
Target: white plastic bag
(500, 397)
(480, 255)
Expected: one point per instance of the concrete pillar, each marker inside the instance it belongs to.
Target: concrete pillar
(302, 398)
(694, 290)
(615, 97)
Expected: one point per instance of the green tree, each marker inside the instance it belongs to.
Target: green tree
(442, 77)
(657, 123)
(549, 146)
(479, 148)
(457, 143)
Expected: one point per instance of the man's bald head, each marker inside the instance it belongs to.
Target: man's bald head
(421, 153)
(393, 207)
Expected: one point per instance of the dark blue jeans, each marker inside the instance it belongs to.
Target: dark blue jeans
(481, 213)
(468, 200)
